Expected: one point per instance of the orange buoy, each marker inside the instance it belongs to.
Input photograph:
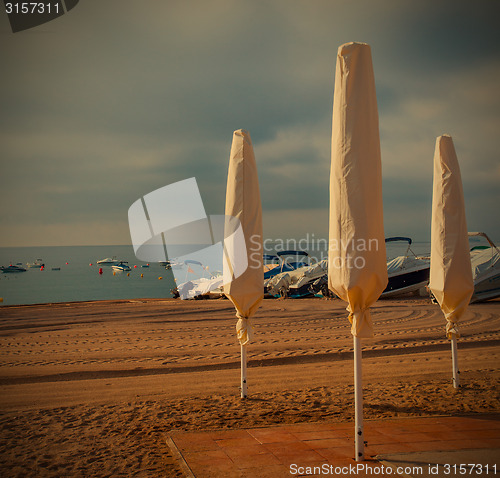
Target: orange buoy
(128, 274)
(114, 273)
(142, 275)
(160, 278)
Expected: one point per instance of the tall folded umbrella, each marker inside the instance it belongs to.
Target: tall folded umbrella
(357, 269)
(451, 273)
(245, 291)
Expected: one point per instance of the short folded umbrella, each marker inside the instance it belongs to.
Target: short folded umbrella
(357, 269)
(451, 274)
(243, 261)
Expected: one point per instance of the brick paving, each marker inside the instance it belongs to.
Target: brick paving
(273, 451)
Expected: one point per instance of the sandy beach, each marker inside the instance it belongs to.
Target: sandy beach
(92, 388)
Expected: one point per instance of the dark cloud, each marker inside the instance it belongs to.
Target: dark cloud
(118, 98)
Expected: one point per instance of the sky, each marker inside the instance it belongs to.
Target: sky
(117, 98)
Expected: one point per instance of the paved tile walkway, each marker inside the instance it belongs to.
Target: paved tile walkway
(294, 450)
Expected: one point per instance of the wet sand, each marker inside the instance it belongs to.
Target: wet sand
(91, 389)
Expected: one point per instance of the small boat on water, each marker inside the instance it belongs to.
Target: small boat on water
(10, 269)
(36, 264)
(109, 261)
(121, 266)
(485, 263)
(172, 264)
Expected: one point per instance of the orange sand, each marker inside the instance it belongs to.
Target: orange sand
(90, 389)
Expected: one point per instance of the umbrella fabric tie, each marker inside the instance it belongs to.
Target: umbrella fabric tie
(452, 329)
(452, 319)
(361, 322)
(244, 330)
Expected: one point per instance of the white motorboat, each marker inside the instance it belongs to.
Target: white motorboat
(109, 261)
(407, 273)
(202, 285)
(10, 269)
(297, 283)
(201, 288)
(36, 264)
(121, 266)
(485, 263)
(172, 264)
(280, 263)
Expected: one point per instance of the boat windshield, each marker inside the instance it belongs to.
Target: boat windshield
(294, 259)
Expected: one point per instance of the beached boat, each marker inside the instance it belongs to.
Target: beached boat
(293, 259)
(407, 273)
(297, 283)
(279, 264)
(211, 286)
(109, 261)
(201, 285)
(12, 269)
(121, 266)
(485, 262)
(283, 261)
(272, 265)
(202, 288)
(36, 264)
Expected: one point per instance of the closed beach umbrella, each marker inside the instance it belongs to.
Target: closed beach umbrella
(245, 290)
(357, 269)
(451, 275)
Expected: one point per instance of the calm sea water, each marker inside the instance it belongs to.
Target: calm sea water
(79, 281)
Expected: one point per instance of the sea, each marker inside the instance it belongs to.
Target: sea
(78, 277)
(71, 273)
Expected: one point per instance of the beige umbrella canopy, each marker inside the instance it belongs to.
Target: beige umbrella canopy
(357, 269)
(245, 290)
(451, 274)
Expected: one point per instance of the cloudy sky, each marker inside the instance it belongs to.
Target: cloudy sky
(120, 97)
